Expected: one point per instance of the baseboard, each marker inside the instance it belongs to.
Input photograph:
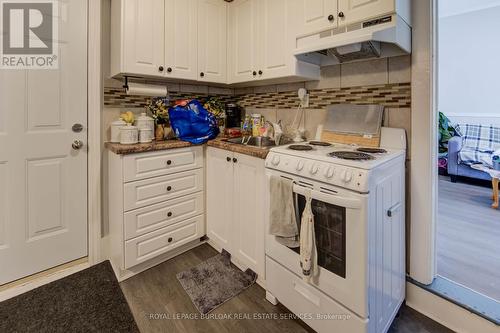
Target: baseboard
(446, 313)
(37, 280)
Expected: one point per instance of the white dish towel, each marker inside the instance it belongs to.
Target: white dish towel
(308, 253)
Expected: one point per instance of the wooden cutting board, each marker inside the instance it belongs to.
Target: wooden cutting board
(363, 141)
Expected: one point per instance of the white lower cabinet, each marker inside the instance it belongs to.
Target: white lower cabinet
(156, 206)
(236, 199)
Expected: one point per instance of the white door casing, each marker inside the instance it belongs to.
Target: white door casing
(43, 181)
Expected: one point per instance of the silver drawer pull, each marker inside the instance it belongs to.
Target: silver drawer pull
(393, 209)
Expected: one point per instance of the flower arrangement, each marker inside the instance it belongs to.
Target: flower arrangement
(158, 107)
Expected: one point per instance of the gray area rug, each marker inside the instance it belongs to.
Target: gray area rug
(215, 281)
(88, 301)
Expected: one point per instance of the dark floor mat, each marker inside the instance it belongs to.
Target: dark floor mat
(215, 281)
(87, 301)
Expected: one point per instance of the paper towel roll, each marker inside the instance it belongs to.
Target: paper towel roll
(146, 90)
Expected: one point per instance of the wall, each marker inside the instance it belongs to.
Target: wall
(468, 66)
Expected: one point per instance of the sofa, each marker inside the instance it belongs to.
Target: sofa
(475, 144)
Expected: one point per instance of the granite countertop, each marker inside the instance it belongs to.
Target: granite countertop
(238, 148)
(120, 149)
(220, 143)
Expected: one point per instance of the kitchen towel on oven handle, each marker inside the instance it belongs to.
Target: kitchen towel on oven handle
(282, 222)
(308, 251)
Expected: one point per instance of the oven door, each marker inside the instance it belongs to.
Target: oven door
(340, 219)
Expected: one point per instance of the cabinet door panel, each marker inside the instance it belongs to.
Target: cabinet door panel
(219, 197)
(181, 59)
(144, 36)
(212, 41)
(359, 10)
(248, 233)
(243, 40)
(314, 14)
(277, 42)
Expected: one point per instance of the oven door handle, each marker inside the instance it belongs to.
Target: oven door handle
(328, 198)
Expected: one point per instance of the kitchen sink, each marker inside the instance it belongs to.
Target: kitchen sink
(255, 141)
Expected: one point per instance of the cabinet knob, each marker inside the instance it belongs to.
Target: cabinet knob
(169, 214)
(169, 162)
(254, 73)
(170, 239)
(202, 74)
(260, 72)
(235, 160)
(169, 69)
(169, 188)
(341, 14)
(160, 68)
(228, 159)
(331, 17)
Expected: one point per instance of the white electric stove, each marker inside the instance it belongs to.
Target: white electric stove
(358, 206)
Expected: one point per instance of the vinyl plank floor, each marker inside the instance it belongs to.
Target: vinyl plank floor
(160, 304)
(468, 237)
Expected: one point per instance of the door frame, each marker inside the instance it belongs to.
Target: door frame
(423, 170)
(94, 111)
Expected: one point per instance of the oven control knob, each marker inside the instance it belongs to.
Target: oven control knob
(314, 169)
(275, 160)
(346, 176)
(300, 165)
(329, 172)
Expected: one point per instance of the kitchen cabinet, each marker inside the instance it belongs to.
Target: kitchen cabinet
(261, 42)
(316, 15)
(212, 41)
(181, 62)
(243, 39)
(236, 198)
(137, 37)
(351, 11)
(156, 207)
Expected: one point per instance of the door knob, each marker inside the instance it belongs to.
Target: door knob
(77, 144)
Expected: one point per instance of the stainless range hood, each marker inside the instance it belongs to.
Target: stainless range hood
(381, 37)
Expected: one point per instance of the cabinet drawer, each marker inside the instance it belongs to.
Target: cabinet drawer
(151, 164)
(302, 297)
(153, 244)
(154, 190)
(143, 220)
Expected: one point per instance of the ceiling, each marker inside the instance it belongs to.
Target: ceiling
(458, 7)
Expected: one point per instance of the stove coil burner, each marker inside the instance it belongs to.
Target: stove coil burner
(300, 147)
(320, 143)
(372, 150)
(351, 155)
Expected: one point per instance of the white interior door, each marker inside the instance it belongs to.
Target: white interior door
(43, 180)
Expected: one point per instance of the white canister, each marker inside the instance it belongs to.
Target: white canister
(115, 130)
(145, 135)
(129, 134)
(143, 121)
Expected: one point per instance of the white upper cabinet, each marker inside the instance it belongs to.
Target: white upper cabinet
(316, 15)
(351, 11)
(137, 41)
(276, 44)
(261, 42)
(243, 39)
(181, 58)
(212, 41)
